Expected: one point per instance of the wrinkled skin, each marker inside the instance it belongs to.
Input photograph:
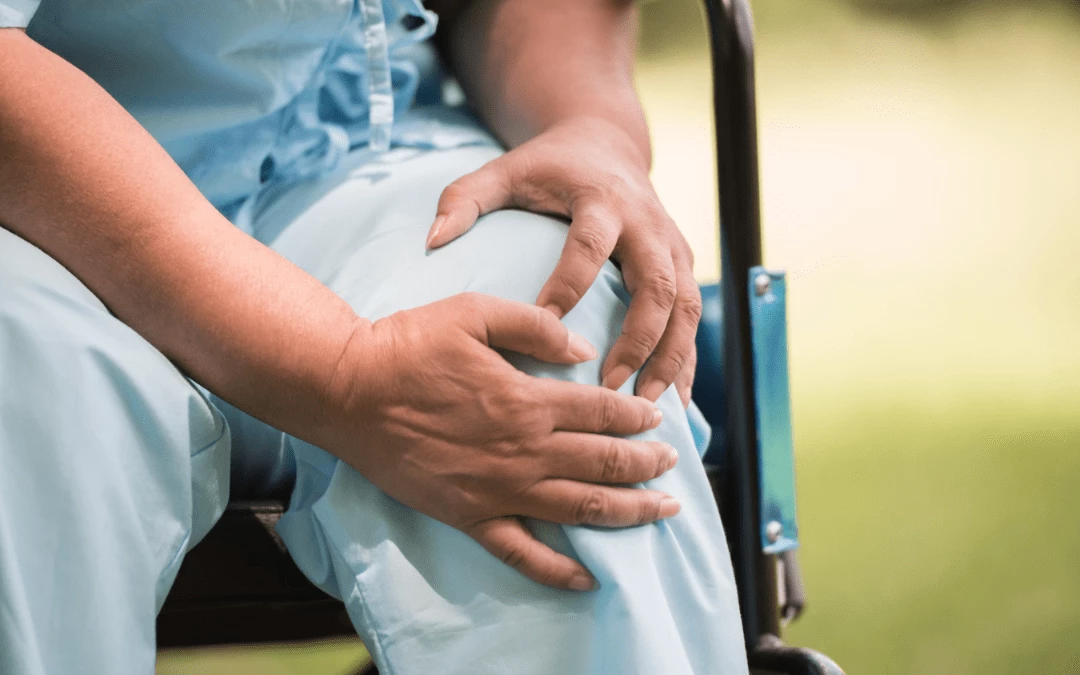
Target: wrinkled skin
(474, 450)
(451, 429)
(590, 170)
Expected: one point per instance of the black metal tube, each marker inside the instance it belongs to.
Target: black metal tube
(732, 44)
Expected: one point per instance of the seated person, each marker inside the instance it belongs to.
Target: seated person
(251, 244)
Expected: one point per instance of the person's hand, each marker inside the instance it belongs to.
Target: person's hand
(425, 408)
(590, 171)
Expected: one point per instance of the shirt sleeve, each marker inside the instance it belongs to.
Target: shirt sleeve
(17, 13)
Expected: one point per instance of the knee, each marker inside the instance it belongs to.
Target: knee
(512, 254)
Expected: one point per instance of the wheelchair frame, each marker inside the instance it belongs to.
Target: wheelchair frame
(240, 586)
(731, 42)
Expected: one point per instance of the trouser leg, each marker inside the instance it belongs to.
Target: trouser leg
(425, 597)
(111, 466)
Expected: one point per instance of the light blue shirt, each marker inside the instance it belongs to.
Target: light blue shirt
(247, 96)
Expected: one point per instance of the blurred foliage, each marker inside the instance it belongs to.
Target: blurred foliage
(919, 173)
(675, 25)
(327, 657)
(937, 9)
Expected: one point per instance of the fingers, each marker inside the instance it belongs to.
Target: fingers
(574, 503)
(582, 407)
(589, 244)
(684, 383)
(466, 199)
(650, 277)
(509, 541)
(676, 347)
(526, 329)
(598, 458)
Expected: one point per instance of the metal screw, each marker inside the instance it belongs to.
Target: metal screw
(773, 530)
(762, 284)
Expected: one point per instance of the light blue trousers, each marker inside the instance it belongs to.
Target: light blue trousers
(112, 465)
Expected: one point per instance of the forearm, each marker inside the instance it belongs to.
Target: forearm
(528, 65)
(83, 181)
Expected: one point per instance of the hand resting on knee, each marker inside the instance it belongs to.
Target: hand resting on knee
(420, 402)
(425, 408)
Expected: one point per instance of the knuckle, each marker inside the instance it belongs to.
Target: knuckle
(680, 246)
(672, 357)
(637, 345)
(647, 416)
(565, 291)
(466, 510)
(653, 212)
(650, 511)
(514, 554)
(471, 301)
(607, 412)
(454, 192)
(663, 288)
(617, 463)
(666, 365)
(592, 243)
(591, 509)
(691, 307)
(543, 421)
(539, 322)
(518, 414)
(663, 456)
(507, 448)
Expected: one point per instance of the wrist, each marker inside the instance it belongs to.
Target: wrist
(342, 385)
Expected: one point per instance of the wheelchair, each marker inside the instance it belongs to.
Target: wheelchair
(239, 585)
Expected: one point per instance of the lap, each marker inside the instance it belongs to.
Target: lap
(75, 376)
(113, 464)
(363, 235)
(424, 596)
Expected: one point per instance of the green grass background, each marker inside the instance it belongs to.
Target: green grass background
(921, 185)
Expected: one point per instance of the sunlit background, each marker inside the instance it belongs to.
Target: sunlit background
(921, 185)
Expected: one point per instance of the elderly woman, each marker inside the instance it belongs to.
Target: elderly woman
(258, 239)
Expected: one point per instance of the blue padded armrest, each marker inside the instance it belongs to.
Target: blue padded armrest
(775, 456)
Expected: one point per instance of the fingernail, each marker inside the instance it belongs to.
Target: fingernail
(436, 228)
(657, 418)
(580, 348)
(582, 582)
(554, 309)
(617, 377)
(673, 458)
(652, 390)
(669, 506)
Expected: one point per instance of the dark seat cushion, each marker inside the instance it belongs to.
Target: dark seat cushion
(239, 585)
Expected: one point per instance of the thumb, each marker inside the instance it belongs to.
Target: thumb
(527, 329)
(466, 199)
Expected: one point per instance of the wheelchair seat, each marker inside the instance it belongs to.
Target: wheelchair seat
(239, 585)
